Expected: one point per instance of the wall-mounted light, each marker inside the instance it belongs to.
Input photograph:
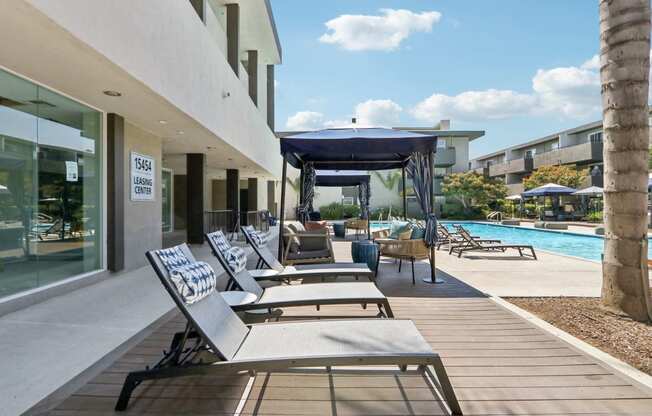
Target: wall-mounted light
(163, 122)
(112, 93)
(226, 94)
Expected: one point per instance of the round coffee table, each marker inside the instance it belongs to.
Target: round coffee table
(238, 297)
(365, 251)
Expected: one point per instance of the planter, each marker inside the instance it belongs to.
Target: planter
(339, 230)
(365, 251)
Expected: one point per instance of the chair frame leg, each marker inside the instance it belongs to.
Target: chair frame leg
(413, 279)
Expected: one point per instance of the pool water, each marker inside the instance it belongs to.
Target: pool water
(571, 244)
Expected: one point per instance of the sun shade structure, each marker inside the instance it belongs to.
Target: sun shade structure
(515, 197)
(548, 189)
(590, 191)
(358, 149)
(349, 178)
(355, 149)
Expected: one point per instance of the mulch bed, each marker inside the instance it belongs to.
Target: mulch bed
(586, 319)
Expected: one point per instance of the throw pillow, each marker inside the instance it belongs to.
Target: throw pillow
(194, 281)
(236, 258)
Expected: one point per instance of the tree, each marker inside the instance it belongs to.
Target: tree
(560, 174)
(390, 179)
(472, 189)
(624, 76)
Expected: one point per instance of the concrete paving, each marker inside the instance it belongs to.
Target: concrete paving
(51, 343)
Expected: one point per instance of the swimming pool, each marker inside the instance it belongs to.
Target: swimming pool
(571, 244)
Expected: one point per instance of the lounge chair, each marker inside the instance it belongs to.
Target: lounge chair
(213, 328)
(472, 244)
(455, 239)
(317, 294)
(267, 259)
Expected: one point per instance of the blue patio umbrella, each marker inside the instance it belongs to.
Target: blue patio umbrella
(549, 189)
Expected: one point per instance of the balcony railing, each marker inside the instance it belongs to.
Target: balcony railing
(584, 152)
(522, 165)
(445, 157)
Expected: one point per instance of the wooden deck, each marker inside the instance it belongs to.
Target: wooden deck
(499, 364)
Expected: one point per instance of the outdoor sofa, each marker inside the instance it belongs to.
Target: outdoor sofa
(306, 247)
(230, 347)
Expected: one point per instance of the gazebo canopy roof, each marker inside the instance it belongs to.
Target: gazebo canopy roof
(341, 178)
(549, 189)
(355, 148)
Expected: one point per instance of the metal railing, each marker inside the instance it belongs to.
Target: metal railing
(220, 220)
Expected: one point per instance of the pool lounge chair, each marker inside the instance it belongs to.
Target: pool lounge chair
(315, 294)
(471, 244)
(213, 328)
(267, 259)
(454, 238)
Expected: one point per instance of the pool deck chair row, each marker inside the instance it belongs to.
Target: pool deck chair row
(338, 269)
(314, 294)
(470, 244)
(215, 329)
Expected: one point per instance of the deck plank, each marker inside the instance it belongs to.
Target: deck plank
(499, 364)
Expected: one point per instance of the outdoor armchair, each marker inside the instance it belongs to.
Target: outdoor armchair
(230, 347)
(359, 225)
(410, 250)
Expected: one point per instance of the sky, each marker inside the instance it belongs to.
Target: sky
(517, 69)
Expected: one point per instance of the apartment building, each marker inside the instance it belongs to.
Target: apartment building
(580, 146)
(122, 124)
(452, 156)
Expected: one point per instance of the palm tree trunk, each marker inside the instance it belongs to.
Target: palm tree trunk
(624, 74)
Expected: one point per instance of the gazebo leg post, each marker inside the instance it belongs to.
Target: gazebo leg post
(282, 213)
(404, 194)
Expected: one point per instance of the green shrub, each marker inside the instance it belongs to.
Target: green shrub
(594, 216)
(337, 211)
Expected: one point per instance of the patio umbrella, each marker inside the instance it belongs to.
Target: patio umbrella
(548, 189)
(590, 191)
(516, 197)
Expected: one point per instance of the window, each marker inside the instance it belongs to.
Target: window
(595, 137)
(50, 181)
(348, 200)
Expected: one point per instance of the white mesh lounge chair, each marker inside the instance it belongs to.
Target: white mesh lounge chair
(267, 259)
(317, 294)
(237, 348)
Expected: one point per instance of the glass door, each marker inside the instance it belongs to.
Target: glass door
(166, 194)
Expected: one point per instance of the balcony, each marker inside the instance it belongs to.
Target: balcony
(515, 188)
(445, 158)
(580, 153)
(522, 165)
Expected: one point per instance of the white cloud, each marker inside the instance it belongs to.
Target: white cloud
(378, 33)
(572, 92)
(592, 64)
(305, 120)
(378, 113)
(473, 105)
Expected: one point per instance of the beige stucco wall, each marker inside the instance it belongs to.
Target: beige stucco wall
(142, 228)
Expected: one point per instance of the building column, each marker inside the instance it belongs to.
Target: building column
(233, 194)
(271, 197)
(252, 194)
(252, 71)
(116, 180)
(271, 91)
(233, 36)
(195, 173)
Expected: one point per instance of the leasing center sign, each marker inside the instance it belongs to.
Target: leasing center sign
(142, 177)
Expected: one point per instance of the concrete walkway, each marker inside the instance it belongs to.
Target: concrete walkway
(502, 274)
(54, 343)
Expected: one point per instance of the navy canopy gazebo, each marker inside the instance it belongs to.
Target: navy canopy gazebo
(549, 189)
(366, 149)
(340, 178)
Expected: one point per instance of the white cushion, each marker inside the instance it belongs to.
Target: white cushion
(194, 281)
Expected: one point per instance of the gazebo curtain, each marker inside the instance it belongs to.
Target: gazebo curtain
(309, 178)
(419, 170)
(364, 194)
